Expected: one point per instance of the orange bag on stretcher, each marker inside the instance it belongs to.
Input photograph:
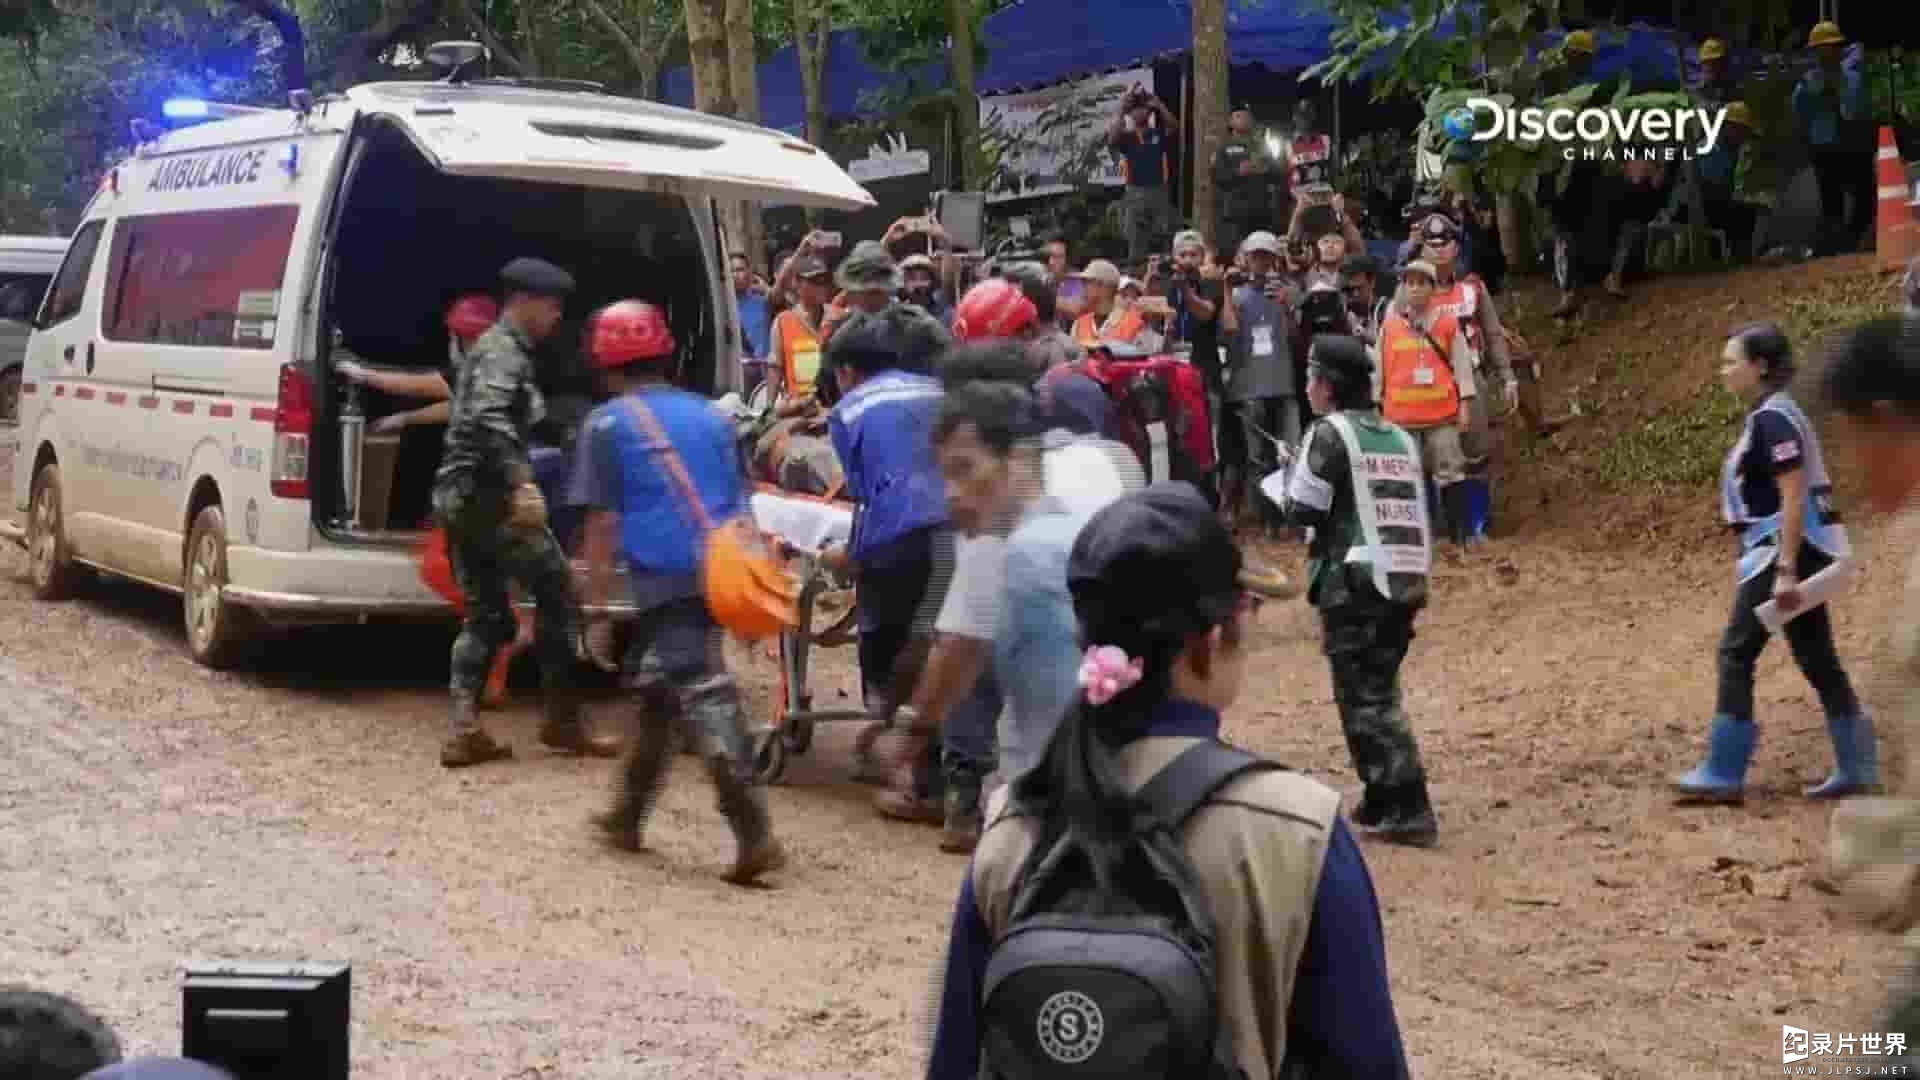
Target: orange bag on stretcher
(436, 569)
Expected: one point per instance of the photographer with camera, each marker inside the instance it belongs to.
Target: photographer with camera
(1247, 176)
(1262, 393)
(1196, 291)
(1144, 135)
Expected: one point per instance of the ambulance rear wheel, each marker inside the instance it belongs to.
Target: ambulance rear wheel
(218, 632)
(51, 563)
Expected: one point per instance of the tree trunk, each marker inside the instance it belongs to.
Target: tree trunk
(1210, 71)
(1516, 232)
(812, 30)
(707, 57)
(293, 42)
(529, 40)
(644, 58)
(744, 77)
(966, 106)
(361, 51)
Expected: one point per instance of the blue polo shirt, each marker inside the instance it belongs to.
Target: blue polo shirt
(883, 435)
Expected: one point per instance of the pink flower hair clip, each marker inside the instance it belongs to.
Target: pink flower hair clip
(1106, 671)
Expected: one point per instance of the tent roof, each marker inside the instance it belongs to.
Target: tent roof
(783, 101)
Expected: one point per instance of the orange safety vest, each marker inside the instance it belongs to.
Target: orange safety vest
(1417, 387)
(799, 347)
(1120, 325)
(1462, 300)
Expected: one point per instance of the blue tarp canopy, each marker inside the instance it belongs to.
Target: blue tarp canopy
(1037, 43)
(783, 100)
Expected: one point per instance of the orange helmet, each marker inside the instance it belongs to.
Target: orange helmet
(471, 315)
(995, 308)
(627, 331)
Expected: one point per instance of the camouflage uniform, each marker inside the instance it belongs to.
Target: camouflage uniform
(494, 407)
(1367, 628)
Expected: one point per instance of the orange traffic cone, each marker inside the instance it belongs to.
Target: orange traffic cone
(1896, 235)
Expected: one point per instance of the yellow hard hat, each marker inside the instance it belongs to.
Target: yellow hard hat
(1713, 49)
(1582, 41)
(1738, 113)
(1825, 33)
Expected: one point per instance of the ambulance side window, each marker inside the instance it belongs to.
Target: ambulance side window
(202, 277)
(70, 286)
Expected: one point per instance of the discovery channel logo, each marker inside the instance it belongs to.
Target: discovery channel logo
(1637, 134)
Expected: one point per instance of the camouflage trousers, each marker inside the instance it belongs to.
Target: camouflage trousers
(1366, 641)
(488, 554)
(678, 672)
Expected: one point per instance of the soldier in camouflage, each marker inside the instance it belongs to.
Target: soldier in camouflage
(496, 522)
(1357, 483)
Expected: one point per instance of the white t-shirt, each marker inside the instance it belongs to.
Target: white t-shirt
(1083, 473)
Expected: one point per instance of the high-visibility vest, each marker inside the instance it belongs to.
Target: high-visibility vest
(1123, 324)
(1418, 389)
(799, 347)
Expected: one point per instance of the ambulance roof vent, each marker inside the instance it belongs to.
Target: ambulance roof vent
(456, 58)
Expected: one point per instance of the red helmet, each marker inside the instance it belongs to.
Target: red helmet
(995, 308)
(627, 331)
(471, 315)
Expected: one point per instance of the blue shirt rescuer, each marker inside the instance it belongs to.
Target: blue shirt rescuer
(1776, 494)
(644, 455)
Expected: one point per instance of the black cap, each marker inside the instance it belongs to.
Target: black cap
(1243, 107)
(1156, 564)
(1360, 264)
(809, 266)
(536, 276)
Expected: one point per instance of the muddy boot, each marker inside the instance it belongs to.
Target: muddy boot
(467, 743)
(1453, 506)
(624, 826)
(1371, 810)
(1722, 777)
(1533, 410)
(867, 766)
(565, 728)
(756, 852)
(910, 805)
(960, 829)
(1408, 818)
(1856, 759)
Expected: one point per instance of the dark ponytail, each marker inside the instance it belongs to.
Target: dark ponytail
(1768, 346)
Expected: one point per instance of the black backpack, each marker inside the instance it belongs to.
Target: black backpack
(1120, 983)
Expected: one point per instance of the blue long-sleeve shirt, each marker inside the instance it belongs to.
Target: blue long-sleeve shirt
(1826, 121)
(1341, 1020)
(882, 432)
(756, 323)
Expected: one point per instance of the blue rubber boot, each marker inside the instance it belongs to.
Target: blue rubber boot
(1721, 777)
(1856, 759)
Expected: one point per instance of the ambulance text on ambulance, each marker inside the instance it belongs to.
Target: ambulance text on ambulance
(208, 170)
(1650, 134)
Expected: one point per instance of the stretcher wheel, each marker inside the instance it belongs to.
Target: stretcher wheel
(798, 733)
(769, 756)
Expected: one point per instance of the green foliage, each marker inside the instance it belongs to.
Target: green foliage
(1681, 447)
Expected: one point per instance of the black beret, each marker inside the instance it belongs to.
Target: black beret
(536, 276)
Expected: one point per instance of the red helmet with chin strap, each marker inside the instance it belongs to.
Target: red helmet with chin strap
(628, 331)
(472, 315)
(995, 308)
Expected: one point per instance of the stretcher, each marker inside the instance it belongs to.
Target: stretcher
(806, 525)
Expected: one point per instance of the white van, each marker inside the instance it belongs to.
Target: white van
(179, 421)
(27, 265)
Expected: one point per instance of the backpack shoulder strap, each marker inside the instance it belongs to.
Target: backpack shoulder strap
(1188, 781)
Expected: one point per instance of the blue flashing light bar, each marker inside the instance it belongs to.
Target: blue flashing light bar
(185, 109)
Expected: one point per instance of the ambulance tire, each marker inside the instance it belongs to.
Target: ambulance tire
(219, 634)
(50, 560)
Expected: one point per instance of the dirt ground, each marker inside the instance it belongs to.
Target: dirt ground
(1572, 924)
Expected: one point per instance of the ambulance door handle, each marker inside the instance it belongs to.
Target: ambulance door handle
(89, 357)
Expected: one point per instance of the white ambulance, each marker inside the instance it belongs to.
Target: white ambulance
(180, 422)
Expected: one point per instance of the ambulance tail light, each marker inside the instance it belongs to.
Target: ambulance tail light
(292, 433)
